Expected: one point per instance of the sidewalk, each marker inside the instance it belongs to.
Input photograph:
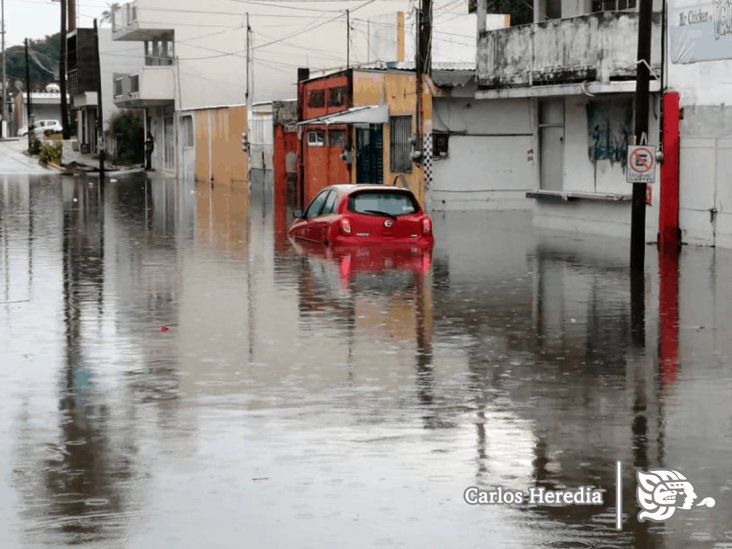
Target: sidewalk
(13, 161)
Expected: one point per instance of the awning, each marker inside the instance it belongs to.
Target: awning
(370, 114)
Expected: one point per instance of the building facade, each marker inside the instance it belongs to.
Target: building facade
(186, 69)
(83, 80)
(362, 126)
(562, 88)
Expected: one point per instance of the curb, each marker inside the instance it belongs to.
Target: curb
(60, 169)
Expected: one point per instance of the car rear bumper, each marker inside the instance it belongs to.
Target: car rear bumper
(423, 242)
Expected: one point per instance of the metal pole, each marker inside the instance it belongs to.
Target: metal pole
(28, 100)
(642, 97)
(62, 76)
(348, 39)
(100, 108)
(248, 60)
(5, 76)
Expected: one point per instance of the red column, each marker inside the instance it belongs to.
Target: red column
(669, 234)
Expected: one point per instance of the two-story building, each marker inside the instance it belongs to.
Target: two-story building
(191, 84)
(361, 126)
(561, 93)
(83, 80)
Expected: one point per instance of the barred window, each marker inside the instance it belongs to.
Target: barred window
(316, 99)
(400, 131)
(337, 138)
(337, 97)
(316, 138)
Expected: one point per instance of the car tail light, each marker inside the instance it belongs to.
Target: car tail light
(345, 226)
(426, 225)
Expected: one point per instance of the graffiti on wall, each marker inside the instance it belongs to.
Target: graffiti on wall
(609, 127)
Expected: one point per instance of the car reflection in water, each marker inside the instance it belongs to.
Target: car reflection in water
(362, 265)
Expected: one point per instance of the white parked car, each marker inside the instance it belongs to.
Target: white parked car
(41, 127)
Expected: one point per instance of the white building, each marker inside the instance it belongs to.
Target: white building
(700, 69)
(566, 84)
(561, 94)
(194, 59)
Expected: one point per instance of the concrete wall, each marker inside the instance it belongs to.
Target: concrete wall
(582, 175)
(587, 48)
(705, 89)
(490, 162)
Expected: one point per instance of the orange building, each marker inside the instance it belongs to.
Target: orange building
(361, 126)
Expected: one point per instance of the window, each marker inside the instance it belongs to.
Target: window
(400, 130)
(188, 133)
(330, 203)
(440, 142)
(613, 5)
(316, 99)
(316, 205)
(316, 138)
(337, 138)
(118, 87)
(383, 202)
(337, 97)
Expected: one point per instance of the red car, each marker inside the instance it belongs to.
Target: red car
(348, 215)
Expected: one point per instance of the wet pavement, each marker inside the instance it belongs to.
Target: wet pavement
(175, 373)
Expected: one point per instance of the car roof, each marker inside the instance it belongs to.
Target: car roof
(350, 188)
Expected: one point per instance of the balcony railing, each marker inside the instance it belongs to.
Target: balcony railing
(596, 47)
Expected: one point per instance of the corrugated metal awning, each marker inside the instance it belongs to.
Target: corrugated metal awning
(370, 114)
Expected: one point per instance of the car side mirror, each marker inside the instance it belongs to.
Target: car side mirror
(297, 214)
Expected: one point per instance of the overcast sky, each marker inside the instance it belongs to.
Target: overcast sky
(38, 18)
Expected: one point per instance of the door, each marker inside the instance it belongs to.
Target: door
(551, 143)
(705, 208)
(321, 223)
(189, 148)
(169, 141)
(369, 154)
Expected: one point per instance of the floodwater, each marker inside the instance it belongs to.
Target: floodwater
(173, 373)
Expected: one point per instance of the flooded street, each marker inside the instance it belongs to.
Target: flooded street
(175, 373)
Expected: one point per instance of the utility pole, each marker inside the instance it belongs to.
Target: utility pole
(72, 15)
(425, 36)
(100, 109)
(642, 97)
(28, 101)
(5, 123)
(418, 69)
(249, 29)
(62, 76)
(348, 39)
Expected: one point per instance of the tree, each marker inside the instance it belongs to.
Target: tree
(126, 128)
(108, 14)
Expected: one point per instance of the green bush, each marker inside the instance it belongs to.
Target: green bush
(35, 144)
(128, 128)
(50, 153)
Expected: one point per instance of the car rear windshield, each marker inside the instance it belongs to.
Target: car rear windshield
(380, 202)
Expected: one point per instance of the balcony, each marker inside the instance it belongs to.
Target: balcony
(133, 22)
(151, 86)
(594, 53)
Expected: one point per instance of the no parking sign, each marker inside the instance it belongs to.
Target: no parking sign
(641, 164)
